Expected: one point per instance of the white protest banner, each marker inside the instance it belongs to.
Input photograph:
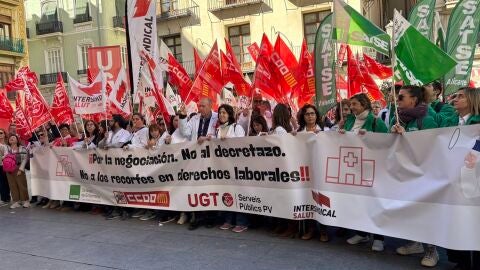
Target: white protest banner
(410, 186)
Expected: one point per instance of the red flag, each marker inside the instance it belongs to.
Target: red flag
(163, 105)
(359, 81)
(381, 71)
(306, 77)
(38, 111)
(355, 78)
(198, 61)
(254, 51)
(23, 74)
(89, 76)
(263, 77)
(209, 80)
(22, 127)
(118, 95)
(341, 54)
(370, 87)
(284, 63)
(6, 110)
(231, 55)
(60, 109)
(230, 73)
(178, 77)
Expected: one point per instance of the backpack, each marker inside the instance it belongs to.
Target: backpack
(10, 162)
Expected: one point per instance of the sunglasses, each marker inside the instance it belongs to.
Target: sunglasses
(400, 97)
(41, 135)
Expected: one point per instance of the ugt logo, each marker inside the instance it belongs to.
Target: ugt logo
(64, 167)
(350, 168)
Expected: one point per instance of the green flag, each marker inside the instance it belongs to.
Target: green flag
(353, 28)
(326, 94)
(462, 32)
(421, 17)
(418, 61)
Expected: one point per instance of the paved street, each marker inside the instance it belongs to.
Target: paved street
(49, 239)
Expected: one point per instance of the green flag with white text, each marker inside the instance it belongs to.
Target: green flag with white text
(421, 17)
(418, 61)
(462, 32)
(352, 28)
(326, 93)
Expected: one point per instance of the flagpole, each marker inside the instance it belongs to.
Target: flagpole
(393, 58)
(84, 129)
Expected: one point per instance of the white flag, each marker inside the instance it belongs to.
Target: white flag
(91, 98)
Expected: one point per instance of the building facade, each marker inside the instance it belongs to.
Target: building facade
(13, 37)
(61, 31)
(187, 24)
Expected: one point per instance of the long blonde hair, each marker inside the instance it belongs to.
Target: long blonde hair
(473, 99)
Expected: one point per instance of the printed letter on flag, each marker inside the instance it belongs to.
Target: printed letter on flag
(324, 54)
(421, 17)
(89, 98)
(353, 28)
(463, 28)
(142, 24)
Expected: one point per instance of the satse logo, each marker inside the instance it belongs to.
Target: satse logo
(350, 168)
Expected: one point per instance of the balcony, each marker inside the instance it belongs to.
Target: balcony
(305, 3)
(82, 72)
(51, 78)
(119, 22)
(12, 45)
(217, 5)
(46, 28)
(82, 18)
(175, 9)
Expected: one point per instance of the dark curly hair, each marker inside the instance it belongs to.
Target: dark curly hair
(301, 117)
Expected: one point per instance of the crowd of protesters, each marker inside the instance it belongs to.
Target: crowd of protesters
(419, 108)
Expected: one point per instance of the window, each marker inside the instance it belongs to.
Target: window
(6, 74)
(124, 56)
(174, 43)
(239, 37)
(83, 56)
(311, 21)
(81, 7)
(54, 61)
(49, 11)
(168, 5)
(5, 30)
(120, 8)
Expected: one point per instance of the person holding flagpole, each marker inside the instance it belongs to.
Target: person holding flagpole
(413, 116)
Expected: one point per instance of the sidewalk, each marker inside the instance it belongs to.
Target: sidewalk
(49, 239)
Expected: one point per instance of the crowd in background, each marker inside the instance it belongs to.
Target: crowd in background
(419, 108)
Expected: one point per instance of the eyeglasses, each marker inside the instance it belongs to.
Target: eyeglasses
(41, 135)
(401, 97)
(310, 114)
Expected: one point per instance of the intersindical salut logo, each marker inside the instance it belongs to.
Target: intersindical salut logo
(75, 192)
